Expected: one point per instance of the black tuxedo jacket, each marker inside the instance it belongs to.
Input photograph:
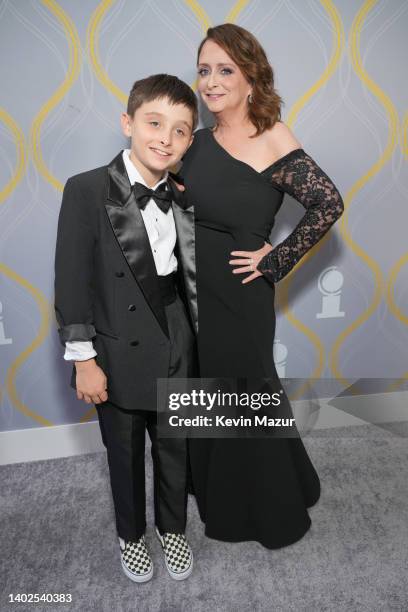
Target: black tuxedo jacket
(106, 287)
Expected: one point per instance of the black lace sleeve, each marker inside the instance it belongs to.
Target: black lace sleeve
(298, 175)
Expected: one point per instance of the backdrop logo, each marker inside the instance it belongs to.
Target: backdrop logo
(3, 339)
(330, 282)
(280, 353)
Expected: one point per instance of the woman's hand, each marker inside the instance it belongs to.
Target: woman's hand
(176, 180)
(252, 259)
(179, 186)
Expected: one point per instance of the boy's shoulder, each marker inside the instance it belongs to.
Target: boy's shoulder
(89, 178)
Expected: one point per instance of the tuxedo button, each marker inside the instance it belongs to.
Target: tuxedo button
(119, 274)
(131, 307)
(134, 342)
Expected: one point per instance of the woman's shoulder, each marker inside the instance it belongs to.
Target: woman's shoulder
(198, 137)
(192, 151)
(281, 140)
(201, 132)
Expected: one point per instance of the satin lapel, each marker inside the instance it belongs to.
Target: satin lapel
(184, 221)
(129, 228)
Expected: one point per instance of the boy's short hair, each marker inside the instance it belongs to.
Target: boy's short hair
(160, 86)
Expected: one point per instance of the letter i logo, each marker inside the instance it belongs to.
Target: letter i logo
(3, 339)
(280, 353)
(330, 283)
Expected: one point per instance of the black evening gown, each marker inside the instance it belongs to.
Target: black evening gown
(249, 489)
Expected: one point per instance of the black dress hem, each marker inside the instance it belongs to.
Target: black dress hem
(295, 537)
(251, 537)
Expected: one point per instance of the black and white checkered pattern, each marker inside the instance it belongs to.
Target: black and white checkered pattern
(136, 561)
(178, 554)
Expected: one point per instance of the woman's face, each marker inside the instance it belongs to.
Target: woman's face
(221, 83)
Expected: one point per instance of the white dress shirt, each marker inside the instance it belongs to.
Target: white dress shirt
(161, 231)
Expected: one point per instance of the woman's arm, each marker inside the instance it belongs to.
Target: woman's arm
(300, 176)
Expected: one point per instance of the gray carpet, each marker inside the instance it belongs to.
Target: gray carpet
(57, 535)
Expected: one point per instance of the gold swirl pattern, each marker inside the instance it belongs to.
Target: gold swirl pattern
(70, 78)
(44, 309)
(93, 34)
(85, 418)
(200, 13)
(21, 165)
(395, 310)
(236, 10)
(395, 270)
(404, 136)
(338, 46)
(93, 48)
(360, 183)
(283, 294)
(35, 134)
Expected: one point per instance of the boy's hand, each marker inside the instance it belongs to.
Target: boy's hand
(91, 382)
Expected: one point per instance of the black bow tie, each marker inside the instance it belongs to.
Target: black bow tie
(160, 195)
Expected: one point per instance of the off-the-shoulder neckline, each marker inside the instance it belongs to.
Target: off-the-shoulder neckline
(239, 161)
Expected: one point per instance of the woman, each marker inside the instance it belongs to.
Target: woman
(235, 175)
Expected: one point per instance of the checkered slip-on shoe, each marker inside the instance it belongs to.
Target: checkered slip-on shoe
(177, 554)
(136, 561)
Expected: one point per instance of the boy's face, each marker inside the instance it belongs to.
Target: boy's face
(160, 134)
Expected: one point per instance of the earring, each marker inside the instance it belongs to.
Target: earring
(250, 99)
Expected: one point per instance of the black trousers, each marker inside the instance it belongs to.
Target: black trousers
(124, 432)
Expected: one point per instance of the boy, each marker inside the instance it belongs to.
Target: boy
(120, 314)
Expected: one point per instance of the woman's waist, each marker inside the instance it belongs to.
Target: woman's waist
(245, 235)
